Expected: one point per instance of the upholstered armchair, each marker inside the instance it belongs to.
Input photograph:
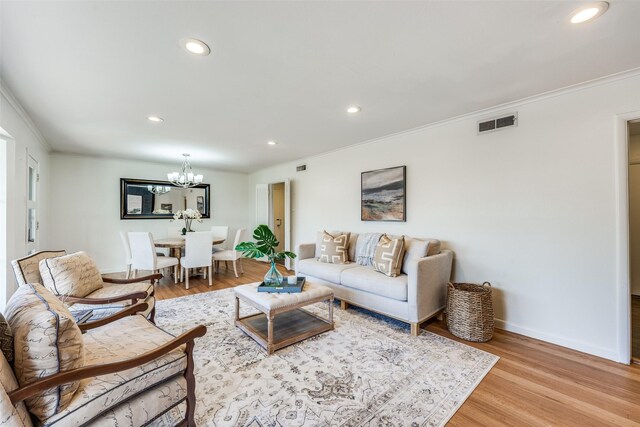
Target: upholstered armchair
(76, 281)
(121, 370)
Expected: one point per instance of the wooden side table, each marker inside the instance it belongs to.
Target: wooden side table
(282, 321)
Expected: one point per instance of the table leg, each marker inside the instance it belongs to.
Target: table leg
(331, 311)
(237, 309)
(269, 333)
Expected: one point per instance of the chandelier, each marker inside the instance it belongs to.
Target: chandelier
(186, 178)
(158, 189)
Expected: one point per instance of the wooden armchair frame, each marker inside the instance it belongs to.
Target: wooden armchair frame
(77, 374)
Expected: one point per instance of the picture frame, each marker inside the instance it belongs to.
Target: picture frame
(383, 194)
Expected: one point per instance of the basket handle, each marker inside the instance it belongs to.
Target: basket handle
(486, 283)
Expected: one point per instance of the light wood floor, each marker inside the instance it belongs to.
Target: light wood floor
(533, 384)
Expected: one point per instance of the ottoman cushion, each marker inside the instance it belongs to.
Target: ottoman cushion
(271, 301)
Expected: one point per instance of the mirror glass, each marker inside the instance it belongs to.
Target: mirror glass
(144, 199)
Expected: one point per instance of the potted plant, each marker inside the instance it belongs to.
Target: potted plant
(265, 246)
(188, 215)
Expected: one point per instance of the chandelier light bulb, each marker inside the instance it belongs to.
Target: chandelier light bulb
(186, 178)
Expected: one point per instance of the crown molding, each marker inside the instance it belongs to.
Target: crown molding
(490, 111)
(13, 101)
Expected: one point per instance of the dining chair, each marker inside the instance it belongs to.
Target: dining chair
(231, 254)
(144, 255)
(197, 254)
(220, 232)
(127, 250)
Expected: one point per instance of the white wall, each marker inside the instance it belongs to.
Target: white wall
(531, 209)
(25, 140)
(85, 204)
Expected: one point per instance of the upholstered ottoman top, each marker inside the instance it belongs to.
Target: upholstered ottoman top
(272, 301)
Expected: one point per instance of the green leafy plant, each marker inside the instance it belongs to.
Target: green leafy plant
(264, 246)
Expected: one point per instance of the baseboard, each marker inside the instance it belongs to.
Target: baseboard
(581, 346)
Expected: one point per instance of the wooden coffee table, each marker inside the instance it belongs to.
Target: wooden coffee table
(282, 321)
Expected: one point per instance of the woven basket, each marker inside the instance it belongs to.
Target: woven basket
(470, 311)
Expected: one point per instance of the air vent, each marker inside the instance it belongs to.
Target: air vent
(497, 124)
(301, 168)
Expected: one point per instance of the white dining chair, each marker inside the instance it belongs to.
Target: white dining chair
(220, 232)
(127, 250)
(144, 255)
(231, 254)
(197, 254)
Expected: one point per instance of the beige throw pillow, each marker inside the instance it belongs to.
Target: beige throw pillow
(334, 250)
(47, 341)
(74, 275)
(388, 256)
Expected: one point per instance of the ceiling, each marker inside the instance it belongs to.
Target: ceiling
(89, 73)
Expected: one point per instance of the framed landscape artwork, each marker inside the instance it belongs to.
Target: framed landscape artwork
(383, 195)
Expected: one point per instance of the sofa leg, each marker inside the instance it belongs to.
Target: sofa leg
(415, 329)
(191, 387)
(343, 305)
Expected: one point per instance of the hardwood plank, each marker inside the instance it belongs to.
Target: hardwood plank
(533, 384)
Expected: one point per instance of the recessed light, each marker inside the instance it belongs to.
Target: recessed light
(588, 12)
(195, 46)
(354, 109)
(272, 143)
(155, 119)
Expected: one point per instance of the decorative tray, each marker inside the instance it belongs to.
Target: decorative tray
(284, 288)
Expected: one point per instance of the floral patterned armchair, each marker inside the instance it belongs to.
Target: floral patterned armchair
(120, 370)
(102, 300)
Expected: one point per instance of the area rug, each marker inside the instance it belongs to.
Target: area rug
(369, 371)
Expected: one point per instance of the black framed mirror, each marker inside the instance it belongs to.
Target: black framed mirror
(148, 199)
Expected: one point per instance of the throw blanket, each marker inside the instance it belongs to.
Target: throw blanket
(366, 248)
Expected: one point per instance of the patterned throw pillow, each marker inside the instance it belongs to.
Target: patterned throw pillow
(74, 274)
(334, 250)
(52, 343)
(389, 254)
(6, 339)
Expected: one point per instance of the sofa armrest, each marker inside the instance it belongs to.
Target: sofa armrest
(427, 285)
(305, 251)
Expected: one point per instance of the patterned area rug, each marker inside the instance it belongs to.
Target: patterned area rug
(369, 371)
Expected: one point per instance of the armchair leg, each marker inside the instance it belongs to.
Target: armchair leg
(209, 268)
(186, 280)
(241, 268)
(152, 315)
(191, 387)
(175, 273)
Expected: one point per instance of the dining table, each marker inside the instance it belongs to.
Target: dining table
(176, 246)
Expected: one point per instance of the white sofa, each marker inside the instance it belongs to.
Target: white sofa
(418, 294)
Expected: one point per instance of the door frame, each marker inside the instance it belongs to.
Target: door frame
(623, 282)
(35, 245)
(260, 188)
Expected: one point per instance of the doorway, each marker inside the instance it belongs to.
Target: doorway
(273, 208)
(634, 233)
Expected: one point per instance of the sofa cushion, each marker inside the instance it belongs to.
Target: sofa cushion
(414, 250)
(6, 339)
(322, 270)
(120, 340)
(74, 274)
(10, 416)
(55, 345)
(27, 269)
(353, 241)
(367, 279)
(388, 256)
(334, 249)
